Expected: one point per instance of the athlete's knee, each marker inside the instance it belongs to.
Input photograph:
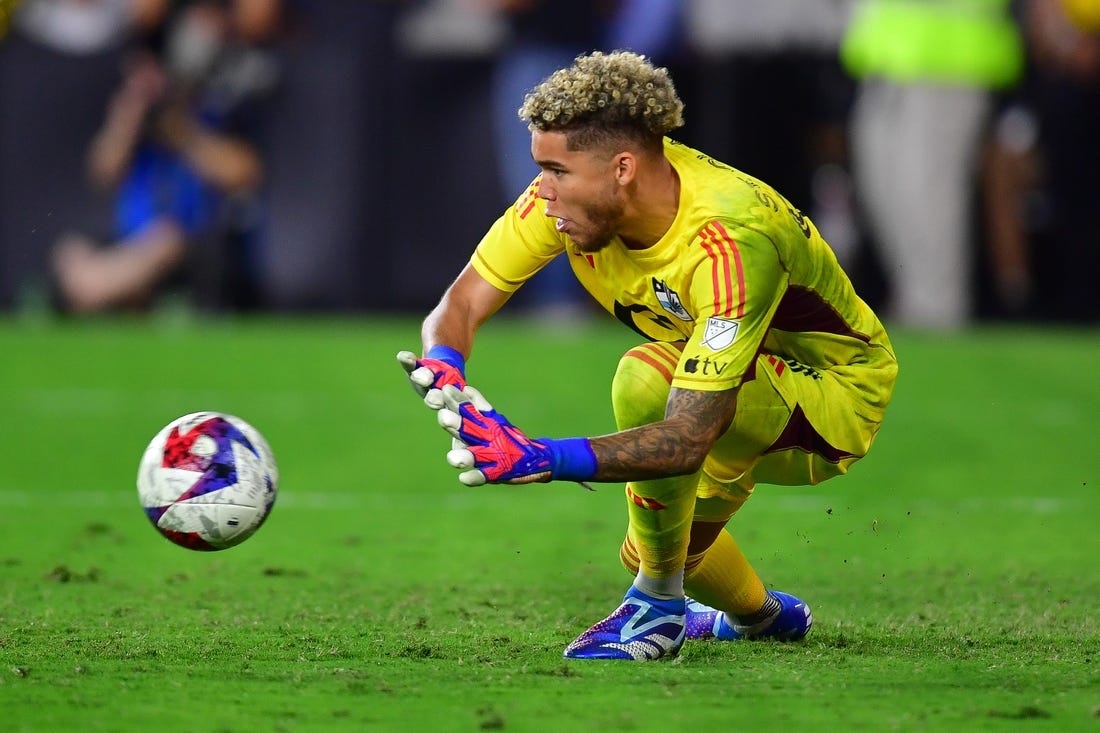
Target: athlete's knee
(642, 382)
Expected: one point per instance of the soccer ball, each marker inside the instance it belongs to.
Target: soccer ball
(207, 481)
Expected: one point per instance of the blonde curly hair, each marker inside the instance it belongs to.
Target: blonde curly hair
(604, 98)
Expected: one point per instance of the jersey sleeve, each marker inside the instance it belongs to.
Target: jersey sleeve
(736, 289)
(518, 244)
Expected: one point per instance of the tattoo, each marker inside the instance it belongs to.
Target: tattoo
(673, 447)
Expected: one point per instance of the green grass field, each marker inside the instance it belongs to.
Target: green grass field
(953, 573)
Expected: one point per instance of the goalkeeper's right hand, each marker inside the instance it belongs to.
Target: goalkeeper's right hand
(488, 448)
(441, 366)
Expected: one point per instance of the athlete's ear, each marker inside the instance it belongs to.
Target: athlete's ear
(626, 167)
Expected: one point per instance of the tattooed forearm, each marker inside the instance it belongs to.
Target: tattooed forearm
(675, 446)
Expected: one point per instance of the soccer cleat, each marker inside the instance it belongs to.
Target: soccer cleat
(642, 628)
(791, 623)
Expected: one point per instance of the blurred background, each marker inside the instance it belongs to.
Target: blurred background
(345, 156)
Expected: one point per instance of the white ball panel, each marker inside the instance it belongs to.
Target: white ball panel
(226, 516)
(218, 524)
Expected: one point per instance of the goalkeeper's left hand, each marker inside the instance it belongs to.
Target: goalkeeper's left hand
(498, 452)
(441, 366)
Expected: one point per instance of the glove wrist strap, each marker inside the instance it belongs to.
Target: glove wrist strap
(572, 459)
(448, 355)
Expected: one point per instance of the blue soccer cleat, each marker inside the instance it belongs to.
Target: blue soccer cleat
(791, 623)
(642, 628)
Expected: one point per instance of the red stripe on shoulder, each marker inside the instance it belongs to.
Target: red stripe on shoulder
(730, 245)
(531, 197)
(718, 272)
(727, 271)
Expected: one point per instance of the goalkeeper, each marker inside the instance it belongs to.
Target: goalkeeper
(760, 363)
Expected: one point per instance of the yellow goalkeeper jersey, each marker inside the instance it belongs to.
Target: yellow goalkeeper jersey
(739, 272)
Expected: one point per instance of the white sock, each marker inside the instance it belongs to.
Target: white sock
(665, 589)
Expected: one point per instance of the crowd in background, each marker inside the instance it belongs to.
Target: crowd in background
(346, 155)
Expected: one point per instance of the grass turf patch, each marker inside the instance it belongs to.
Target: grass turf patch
(952, 573)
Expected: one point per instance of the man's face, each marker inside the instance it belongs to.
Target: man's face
(581, 191)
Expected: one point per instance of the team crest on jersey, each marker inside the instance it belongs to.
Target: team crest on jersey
(719, 333)
(669, 300)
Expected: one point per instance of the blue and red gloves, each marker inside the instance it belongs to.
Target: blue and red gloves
(487, 447)
(440, 367)
(493, 450)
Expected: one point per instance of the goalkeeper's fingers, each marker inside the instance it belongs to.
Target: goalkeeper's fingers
(407, 360)
(462, 458)
(420, 378)
(472, 478)
(452, 398)
(433, 398)
(450, 421)
(477, 399)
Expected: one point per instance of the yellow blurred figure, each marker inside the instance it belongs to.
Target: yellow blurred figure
(1085, 14)
(7, 8)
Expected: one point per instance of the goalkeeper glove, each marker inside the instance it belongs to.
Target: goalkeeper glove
(441, 366)
(498, 452)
